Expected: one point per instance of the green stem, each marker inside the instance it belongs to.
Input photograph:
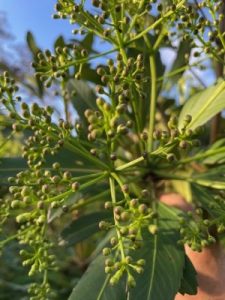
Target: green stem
(83, 202)
(82, 187)
(113, 196)
(152, 103)
(134, 19)
(87, 59)
(202, 155)
(179, 70)
(85, 177)
(130, 164)
(155, 24)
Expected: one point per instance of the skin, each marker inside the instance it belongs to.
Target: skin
(209, 264)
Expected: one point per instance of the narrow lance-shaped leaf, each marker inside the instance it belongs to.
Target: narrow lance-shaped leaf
(94, 285)
(204, 105)
(164, 261)
(189, 280)
(84, 227)
(164, 269)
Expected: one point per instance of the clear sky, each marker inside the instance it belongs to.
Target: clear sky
(34, 15)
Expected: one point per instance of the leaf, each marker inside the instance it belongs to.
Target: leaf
(217, 158)
(205, 197)
(180, 61)
(189, 280)
(164, 269)
(38, 88)
(84, 227)
(87, 42)
(94, 285)
(213, 178)
(83, 99)
(139, 46)
(59, 42)
(10, 166)
(32, 43)
(183, 188)
(89, 74)
(164, 261)
(204, 105)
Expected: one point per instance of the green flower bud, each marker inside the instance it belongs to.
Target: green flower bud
(134, 202)
(124, 231)
(141, 262)
(106, 251)
(125, 216)
(131, 281)
(153, 229)
(143, 209)
(75, 186)
(16, 204)
(108, 205)
(113, 241)
(183, 144)
(41, 220)
(108, 270)
(23, 217)
(109, 262)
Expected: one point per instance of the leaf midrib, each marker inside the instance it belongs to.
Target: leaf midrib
(217, 92)
(153, 266)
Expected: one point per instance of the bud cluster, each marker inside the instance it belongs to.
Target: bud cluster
(130, 221)
(55, 66)
(195, 231)
(177, 142)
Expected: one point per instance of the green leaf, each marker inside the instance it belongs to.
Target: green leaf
(32, 44)
(213, 178)
(180, 61)
(183, 188)
(34, 84)
(164, 260)
(165, 268)
(10, 166)
(84, 97)
(204, 105)
(139, 46)
(59, 42)
(84, 227)
(189, 280)
(205, 197)
(87, 42)
(89, 74)
(94, 285)
(219, 156)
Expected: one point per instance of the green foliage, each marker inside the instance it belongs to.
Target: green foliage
(203, 106)
(119, 144)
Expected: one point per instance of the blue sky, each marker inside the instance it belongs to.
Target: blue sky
(34, 15)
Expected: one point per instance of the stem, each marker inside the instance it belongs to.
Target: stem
(155, 24)
(215, 125)
(130, 164)
(113, 196)
(179, 70)
(134, 19)
(82, 187)
(87, 59)
(202, 155)
(83, 202)
(152, 102)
